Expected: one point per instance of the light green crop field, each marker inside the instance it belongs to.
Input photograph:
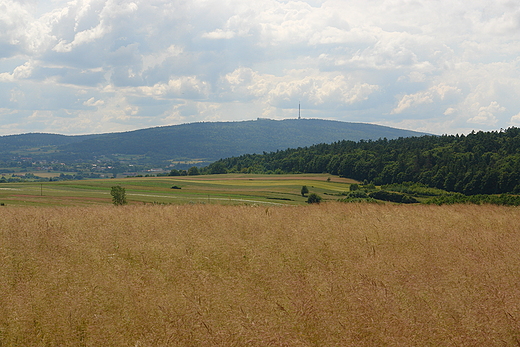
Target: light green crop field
(220, 189)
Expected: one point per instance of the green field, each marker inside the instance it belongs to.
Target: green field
(221, 189)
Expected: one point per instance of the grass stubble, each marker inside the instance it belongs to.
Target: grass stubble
(208, 275)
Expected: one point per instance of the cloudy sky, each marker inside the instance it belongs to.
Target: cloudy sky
(95, 66)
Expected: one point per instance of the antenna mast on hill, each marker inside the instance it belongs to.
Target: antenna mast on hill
(299, 114)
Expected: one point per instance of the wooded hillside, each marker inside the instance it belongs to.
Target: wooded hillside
(221, 139)
(205, 141)
(479, 163)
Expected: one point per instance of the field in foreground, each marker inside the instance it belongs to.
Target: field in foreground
(209, 275)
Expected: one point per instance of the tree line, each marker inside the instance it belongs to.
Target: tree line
(477, 163)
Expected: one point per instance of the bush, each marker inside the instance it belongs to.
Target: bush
(458, 198)
(370, 200)
(357, 194)
(118, 195)
(392, 197)
(369, 186)
(313, 198)
(414, 189)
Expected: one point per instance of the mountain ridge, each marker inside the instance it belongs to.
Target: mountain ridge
(208, 141)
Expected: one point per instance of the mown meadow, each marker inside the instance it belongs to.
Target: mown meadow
(331, 274)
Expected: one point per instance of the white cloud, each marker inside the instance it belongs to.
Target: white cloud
(515, 120)
(16, 96)
(20, 72)
(82, 37)
(156, 59)
(110, 11)
(190, 86)
(435, 93)
(449, 111)
(219, 34)
(92, 102)
(313, 87)
(410, 100)
(487, 114)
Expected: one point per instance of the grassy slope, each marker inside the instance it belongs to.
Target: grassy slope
(266, 189)
(211, 275)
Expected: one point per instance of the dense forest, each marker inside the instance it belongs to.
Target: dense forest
(477, 163)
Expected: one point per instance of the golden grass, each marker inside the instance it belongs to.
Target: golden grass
(208, 275)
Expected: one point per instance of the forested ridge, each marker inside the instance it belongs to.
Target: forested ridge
(477, 163)
(204, 141)
(215, 140)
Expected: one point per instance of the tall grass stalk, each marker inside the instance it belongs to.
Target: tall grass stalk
(208, 275)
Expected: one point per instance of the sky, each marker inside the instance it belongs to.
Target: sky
(98, 66)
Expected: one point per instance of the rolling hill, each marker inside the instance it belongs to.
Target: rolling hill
(207, 141)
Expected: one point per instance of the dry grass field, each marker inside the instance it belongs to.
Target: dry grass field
(209, 275)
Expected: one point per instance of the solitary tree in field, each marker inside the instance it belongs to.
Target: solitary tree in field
(118, 195)
(305, 190)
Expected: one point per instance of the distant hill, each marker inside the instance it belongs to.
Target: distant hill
(18, 142)
(206, 141)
